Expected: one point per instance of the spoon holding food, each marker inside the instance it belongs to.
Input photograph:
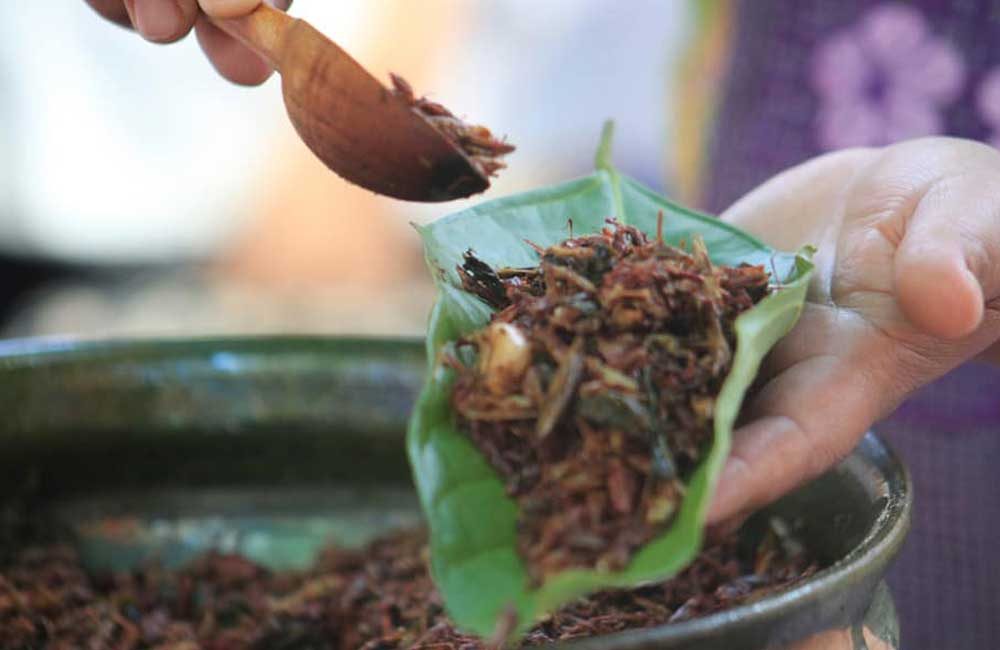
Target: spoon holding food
(386, 140)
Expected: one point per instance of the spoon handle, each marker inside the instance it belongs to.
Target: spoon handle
(262, 30)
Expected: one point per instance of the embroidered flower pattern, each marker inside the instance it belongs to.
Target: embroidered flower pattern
(885, 79)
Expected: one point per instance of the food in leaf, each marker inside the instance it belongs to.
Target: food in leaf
(484, 149)
(592, 389)
(477, 528)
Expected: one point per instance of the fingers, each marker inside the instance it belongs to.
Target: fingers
(166, 21)
(837, 372)
(228, 8)
(803, 205)
(794, 208)
(921, 223)
(162, 21)
(803, 421)
(230, 57)
(113, 10)
(946, 267)
(915, 292)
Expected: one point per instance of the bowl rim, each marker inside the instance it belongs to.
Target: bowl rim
(14, 351)
(871, 556)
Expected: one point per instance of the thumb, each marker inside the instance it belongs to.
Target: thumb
(228, 8)
(232, 59)
(947, 266)
(236, 8)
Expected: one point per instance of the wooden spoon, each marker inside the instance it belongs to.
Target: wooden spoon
(359, 129)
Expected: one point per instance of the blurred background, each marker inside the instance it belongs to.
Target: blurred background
(141, 194)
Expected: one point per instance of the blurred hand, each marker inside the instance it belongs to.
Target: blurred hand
(907, 288)
(166, 21)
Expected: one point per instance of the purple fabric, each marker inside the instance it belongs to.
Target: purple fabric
(947, 578)
(772, 114)
(813, 75)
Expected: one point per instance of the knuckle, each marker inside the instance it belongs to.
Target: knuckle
(817, 452)
(113, 10)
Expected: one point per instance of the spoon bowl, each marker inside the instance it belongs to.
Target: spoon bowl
(360, 129)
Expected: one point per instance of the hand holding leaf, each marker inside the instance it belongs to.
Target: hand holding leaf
(907, 287)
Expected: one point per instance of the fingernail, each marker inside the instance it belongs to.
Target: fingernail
(228, 8)
(158, 19)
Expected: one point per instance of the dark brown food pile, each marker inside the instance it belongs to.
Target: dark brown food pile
(592, 390)
(479, 144)
(380, 598)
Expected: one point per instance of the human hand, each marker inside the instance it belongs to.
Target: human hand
(166, 21)
(907, 287)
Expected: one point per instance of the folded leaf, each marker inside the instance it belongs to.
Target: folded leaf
(472, 521)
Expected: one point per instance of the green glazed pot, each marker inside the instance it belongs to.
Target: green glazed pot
(273, 447)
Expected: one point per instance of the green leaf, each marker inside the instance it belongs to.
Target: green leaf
(474, 560)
